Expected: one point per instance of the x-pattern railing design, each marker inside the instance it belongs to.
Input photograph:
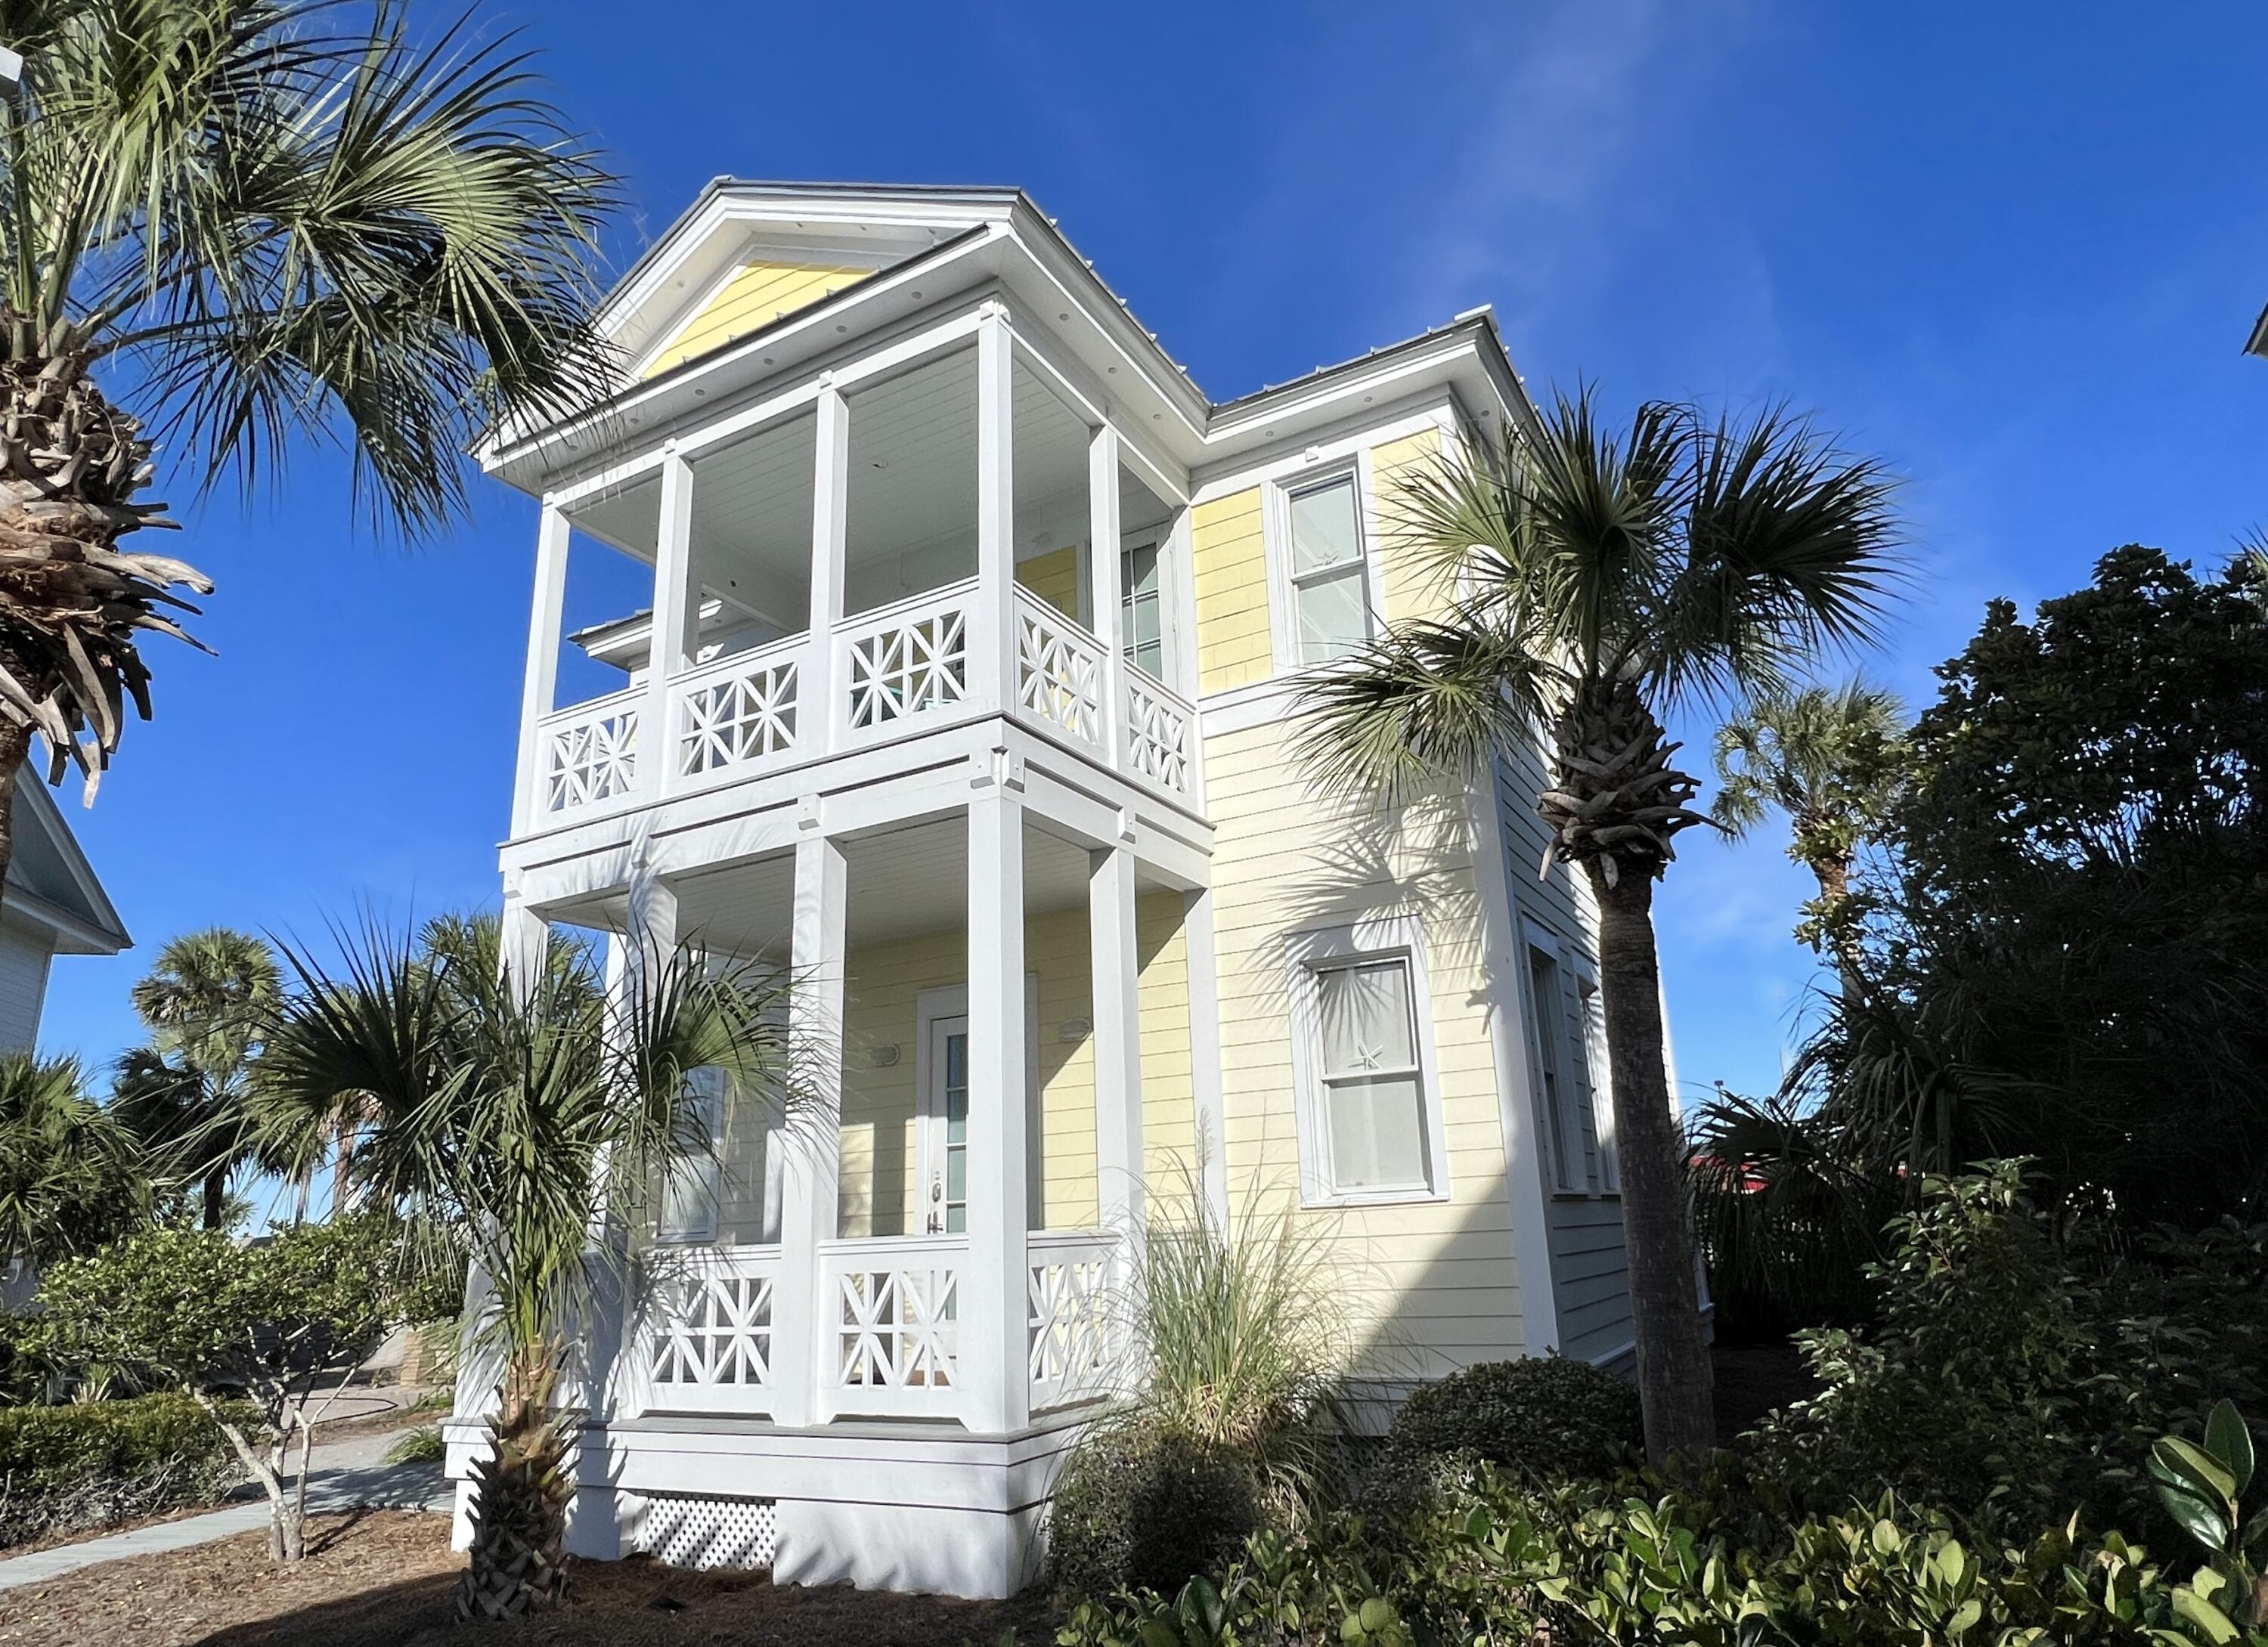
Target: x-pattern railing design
(744, 718)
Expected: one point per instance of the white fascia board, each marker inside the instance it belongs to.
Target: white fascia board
(97, 926)
(67, 933)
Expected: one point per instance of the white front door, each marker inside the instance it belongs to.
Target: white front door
(945, 1128)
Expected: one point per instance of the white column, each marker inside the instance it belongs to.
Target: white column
(819, 693)
(523, 937)
(542, 675)
(1115, 966)
(995, 1304)
(992, 642)
(811, 1141)
(1204, 1048)
(1106, 569)
(674, 609)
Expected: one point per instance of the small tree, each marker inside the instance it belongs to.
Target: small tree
(70, 1176)
(283, 1321)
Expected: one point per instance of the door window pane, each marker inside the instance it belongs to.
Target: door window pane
(956, 1133)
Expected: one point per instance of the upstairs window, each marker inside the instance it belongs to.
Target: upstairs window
(1330, 591)
(1141, 615)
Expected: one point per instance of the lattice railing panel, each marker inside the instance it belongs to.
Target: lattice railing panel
(917, 665)
(714, 1338)
(1157, 738)
(897, 1336)
(590, 759)
(1058, 671)
(744, 718)
(1069, 1321)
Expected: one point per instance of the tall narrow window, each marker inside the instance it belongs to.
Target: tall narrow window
(1373, 1100)
(1330, 594)
(1142, 618)
(691, 1183)
(1555, 1081)
(1602, 1089)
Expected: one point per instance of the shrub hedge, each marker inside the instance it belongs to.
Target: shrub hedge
(65, 1468)
(1139, 1504)
(1544, 1416)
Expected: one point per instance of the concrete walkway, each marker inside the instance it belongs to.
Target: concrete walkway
(349, 1475)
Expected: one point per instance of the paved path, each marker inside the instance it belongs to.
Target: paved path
(349, 1475)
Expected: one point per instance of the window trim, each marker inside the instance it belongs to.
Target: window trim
(1574, 1119)
(1354, 467)
(1599, 1079)
(1385, 937)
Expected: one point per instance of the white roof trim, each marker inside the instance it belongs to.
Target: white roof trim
(98, 926)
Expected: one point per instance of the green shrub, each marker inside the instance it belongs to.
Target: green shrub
(1141, 1506)
(1544, 1415)
(64, 1468)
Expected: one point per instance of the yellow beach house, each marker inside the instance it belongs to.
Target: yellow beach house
(911, 619)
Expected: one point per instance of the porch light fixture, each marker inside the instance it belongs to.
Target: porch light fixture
(884, 1056)
(1071, 1031)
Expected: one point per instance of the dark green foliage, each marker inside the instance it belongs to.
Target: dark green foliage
(2083, 900)
(1544, 1416)
(2014, 1378)
(1141, 1506)
(66, 1468)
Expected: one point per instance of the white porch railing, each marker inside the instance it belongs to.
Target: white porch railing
(905, 661)
(1059, 670)
(735, 713)
(713, 1329)
(890, 1327)
(1161, 728)
(589, 754)
(1075, 1343)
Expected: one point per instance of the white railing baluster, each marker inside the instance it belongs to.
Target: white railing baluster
(589, 755)
(1058, 671)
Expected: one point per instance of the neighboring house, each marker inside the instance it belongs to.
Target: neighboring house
(52, 905)
(964, 687)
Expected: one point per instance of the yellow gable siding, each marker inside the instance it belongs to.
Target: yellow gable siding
(759, 294)
(1432, 1283)
(1412, 590)
(1235, 645)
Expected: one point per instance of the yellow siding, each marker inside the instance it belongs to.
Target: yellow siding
(1235, 643)
(1411, 589)
(1170, 1156)
(1432, 1283)
(759, 294)
(1053, 578)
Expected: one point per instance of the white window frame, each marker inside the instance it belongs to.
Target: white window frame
(1566, 1131)
(1158, 538)
(706, 1176)
(1276, 530)
(1385, 937)
(1599, 1076)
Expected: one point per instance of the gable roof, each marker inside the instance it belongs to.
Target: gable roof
(50, 883)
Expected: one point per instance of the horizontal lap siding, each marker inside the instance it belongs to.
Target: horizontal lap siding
(1170, 1149)
(1589, 1270)
(24, 962)
(759, 294)
(1235, 646)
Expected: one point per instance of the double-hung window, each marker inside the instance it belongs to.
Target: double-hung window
(1553, 1048)
(692, 1179)
(1142, 613)
(1331, 581)
(1363, 1056)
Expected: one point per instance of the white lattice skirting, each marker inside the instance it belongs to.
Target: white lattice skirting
(687, 1530)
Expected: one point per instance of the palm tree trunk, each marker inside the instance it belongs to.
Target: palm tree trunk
(1834, 877)
(15, 749)
(216, 1198)
(1673, 1361)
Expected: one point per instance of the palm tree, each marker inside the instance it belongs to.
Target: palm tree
(1833, 759)
(1600, 582)
(191, 1094)
(526, 1117)
(227, 226)
(71, 1175)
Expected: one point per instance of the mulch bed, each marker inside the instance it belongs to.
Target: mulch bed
(387, 1579)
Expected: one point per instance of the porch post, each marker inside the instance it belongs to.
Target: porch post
(523, 938)
(673, 606)
(819, 693)
(811, 1139)
(1204, 1049)
(993, 640)
(995, 1350)
(542, 671)
(1106, 570)
(1115, 969)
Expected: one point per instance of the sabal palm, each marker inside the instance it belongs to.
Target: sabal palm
(1832, 760)
(1595, 582)
(189, 1095)
(227, 226)
(527, 1118)
(71, 1175)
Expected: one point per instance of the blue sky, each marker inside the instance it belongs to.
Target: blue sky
(2013, 249)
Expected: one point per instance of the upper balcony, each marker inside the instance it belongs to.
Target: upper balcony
(946, 532)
